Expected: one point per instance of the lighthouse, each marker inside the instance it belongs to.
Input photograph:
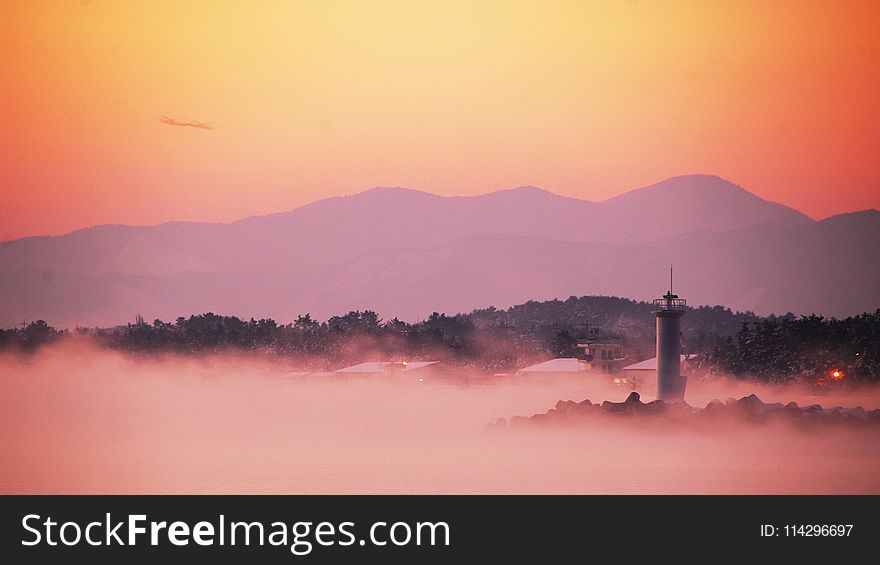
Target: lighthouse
(668, 310)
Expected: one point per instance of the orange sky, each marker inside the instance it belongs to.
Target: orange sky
(313, 99)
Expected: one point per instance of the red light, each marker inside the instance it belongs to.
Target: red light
(836, 374)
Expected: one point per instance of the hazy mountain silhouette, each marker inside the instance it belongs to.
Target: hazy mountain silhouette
(407, 253)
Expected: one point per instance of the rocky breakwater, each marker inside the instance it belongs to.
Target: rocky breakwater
(748, 409)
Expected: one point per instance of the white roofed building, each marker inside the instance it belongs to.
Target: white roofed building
(383, 367)
(559, 368)
(650, 364)
(559, 365)
(414, 371)
(644, 373)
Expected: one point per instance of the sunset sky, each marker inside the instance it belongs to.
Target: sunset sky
(315, 99)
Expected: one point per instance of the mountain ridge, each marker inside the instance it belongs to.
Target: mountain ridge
(401, 252)
(523, 189)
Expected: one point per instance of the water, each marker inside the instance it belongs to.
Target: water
(77, 420)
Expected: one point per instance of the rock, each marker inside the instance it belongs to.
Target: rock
(633, 398)
(540, 418)
(650, 410)
(616, 407)
(564, 406)
(715, 408)
(748, 408)
(751, 400)
(772, 407)
(627, 407)
(679, 409)
(656, 406)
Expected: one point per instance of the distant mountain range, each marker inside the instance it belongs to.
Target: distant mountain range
(407, 253)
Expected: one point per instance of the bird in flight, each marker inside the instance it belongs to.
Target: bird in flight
(193, 124)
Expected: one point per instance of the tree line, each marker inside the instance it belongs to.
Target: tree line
(808, 348)
(500, 340)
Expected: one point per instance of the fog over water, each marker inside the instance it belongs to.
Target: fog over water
(78, 420)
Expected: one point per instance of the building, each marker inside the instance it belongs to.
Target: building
(604, 357)
(554, 368)
(559, 365)
(645, 372)
(668, 312)
(307, 375)
(400, 371)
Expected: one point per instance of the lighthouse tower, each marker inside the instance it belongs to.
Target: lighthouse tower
(669, 310)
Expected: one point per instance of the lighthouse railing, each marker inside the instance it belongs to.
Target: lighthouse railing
(669, 304)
